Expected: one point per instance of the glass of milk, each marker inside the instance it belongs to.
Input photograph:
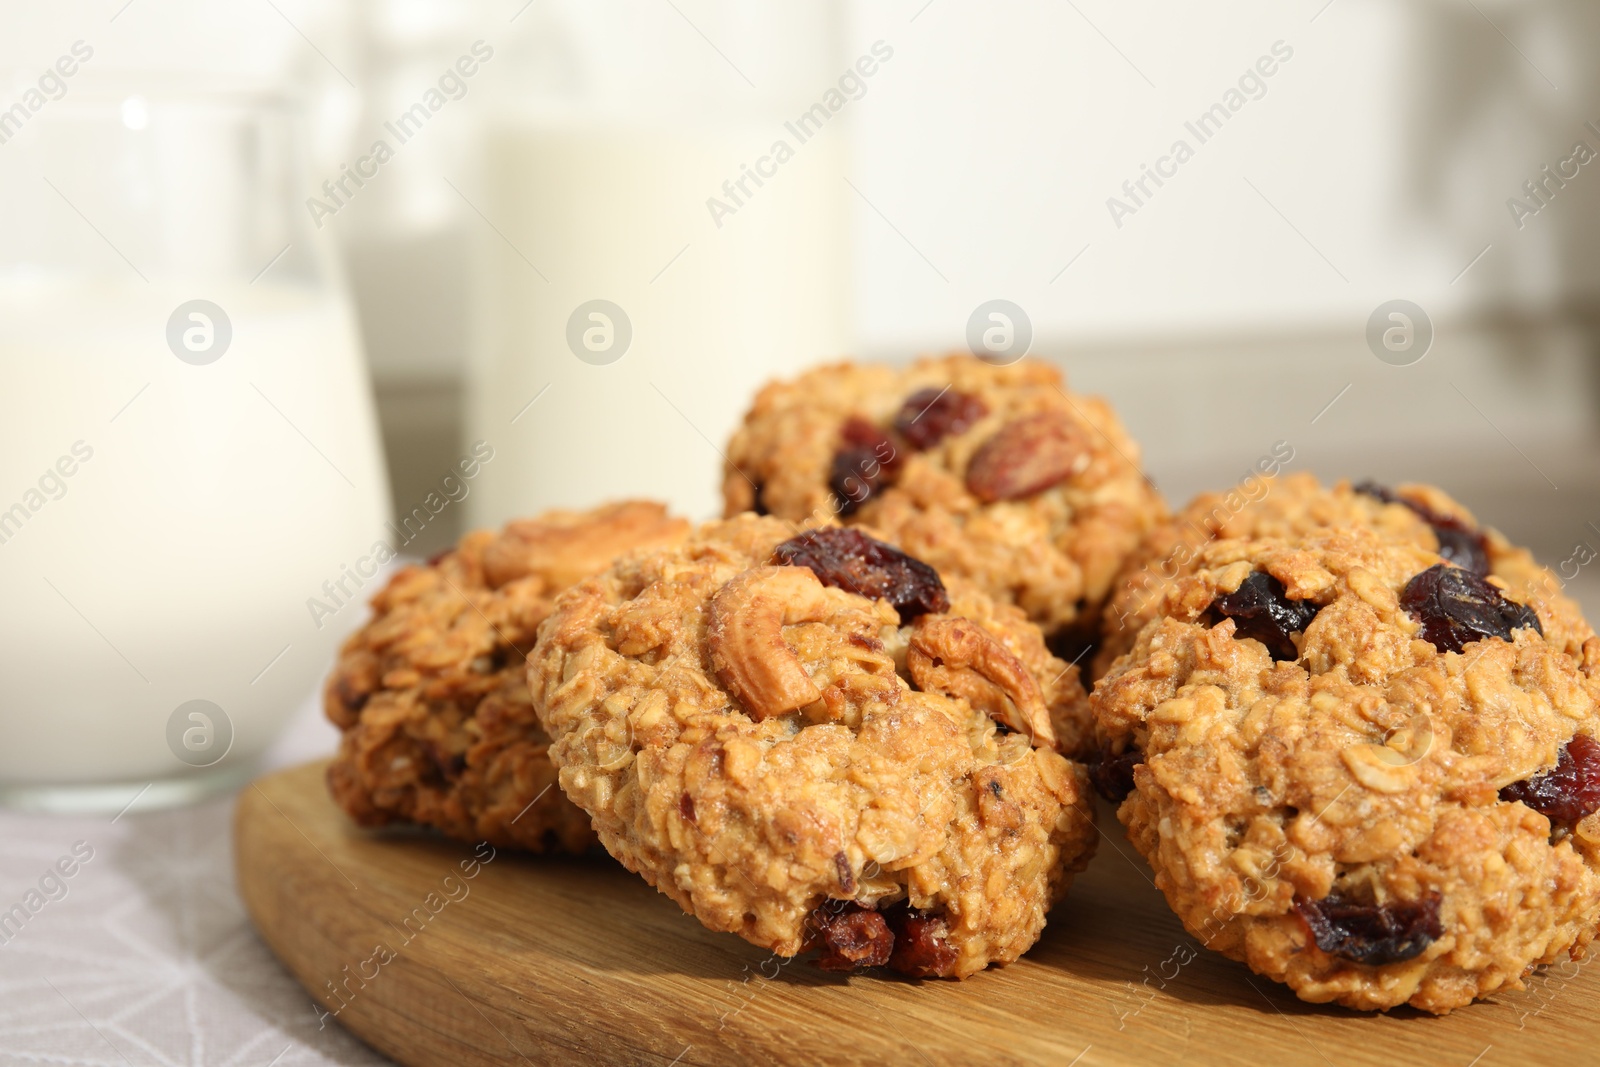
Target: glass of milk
(189, 462)
(661, 224)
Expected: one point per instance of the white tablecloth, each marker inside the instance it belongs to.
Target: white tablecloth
(148, 959)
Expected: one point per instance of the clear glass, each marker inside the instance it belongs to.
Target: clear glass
(189, 463)
(664, 213)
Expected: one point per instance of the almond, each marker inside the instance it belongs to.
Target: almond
(1027, 456)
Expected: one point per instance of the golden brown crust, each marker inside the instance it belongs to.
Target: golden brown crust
(432, 693)
(874, 793)
(1369, 768)
(1297, 504)
(1053, 551)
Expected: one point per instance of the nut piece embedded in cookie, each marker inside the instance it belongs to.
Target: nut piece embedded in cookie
(432, 695)
(1381, 791)
(563, 548)
(960, 659)
(816, 761)
(1027, 456)
(1296, 505)
(998, 475)
(744, 633)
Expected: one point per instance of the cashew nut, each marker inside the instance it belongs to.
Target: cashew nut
(744, 635)
(1395, 767)
(1380, 768)
(961, 659)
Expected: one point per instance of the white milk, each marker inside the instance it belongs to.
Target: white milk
(176, 560)
(601, 210)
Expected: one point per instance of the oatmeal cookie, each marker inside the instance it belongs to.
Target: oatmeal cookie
(432, 693)
(996, 474)
(813, 742)
(1296, 504)
(1362, 770)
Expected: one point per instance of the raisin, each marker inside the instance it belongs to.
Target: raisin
(1459, 541)
(930, 415)
(1463, 546)
(1570, 791)
(686, 808)
(1374, 934)
(865, 463)
(851, 937)
(1261, 609)
(1457, 607)
(1112, 776)
(758, 499)
(1027, 456)
(920, 946)
(847, 877)
(850, 560)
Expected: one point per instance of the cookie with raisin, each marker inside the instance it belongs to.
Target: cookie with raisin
(817, 741)
(1296, 504)
(432, 696)
(1360, 768)
(995, 474)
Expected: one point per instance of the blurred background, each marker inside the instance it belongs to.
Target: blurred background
(1222, 309)
(561, 242)
(564, 242)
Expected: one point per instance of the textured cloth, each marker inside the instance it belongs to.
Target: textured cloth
(152, 958)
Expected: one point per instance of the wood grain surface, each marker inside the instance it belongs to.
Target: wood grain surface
(577, 961)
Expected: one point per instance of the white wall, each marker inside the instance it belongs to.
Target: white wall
(1391, 141)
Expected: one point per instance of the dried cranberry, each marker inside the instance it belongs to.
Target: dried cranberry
(1374, 934)
(850, 936)
(1570, 791)
(920, 946)
(930, 415)
(850, 560)
(1463, 546)
(758, 499)
(847, 877)
(1457, 607)
(1261, 609)
(854, 478)
(1459, 541)
(1112, 776)
(864, 464)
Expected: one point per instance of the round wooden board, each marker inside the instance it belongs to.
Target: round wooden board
(577, 961)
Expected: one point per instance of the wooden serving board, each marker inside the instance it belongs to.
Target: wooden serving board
(577, 961)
